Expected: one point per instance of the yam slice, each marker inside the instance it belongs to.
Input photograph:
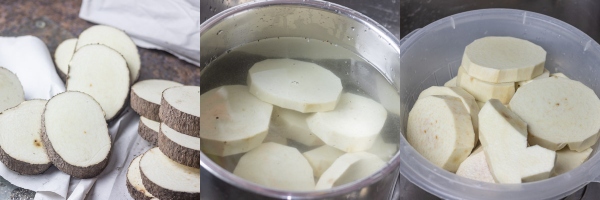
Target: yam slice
(475, 167)
(384, 150)
(62, 56)
(180, 147)
(349, 167)
(321, 158)
(546, 74)
(167, 179)
(134, 182)
(484, 91)
(11, 90)
(180, 109)
(148, 130)
(75, 134)
(536, 163)
(451, 83)
(567, 160)
(21, 146)
(292, 124)
(146, 96)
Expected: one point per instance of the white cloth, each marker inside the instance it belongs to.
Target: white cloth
(172, 26)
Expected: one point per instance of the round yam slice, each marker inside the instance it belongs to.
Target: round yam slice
(291, 124)
(21, 147)
(234, 121)
(352, 126)
(102, 73)
(134, 182)
(276, 166)
(440, 129)
(558, 112)
(296, 85)
(503, 59)
(11, 90)
(62, 56)
(167, 179)
(148, 130)
(75, 134)
(180, 147)
(115, 39)
(180, 109)
(146, 96)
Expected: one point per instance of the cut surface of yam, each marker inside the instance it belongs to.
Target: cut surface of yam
(148, 130)
(62, 56)
(276, 138)
(276, 166)
(296, 85)
(146, 96)
(11, 90)
(451, 83)
(503, 137)
(134, 182)
(475, 167)
(467, 99)
(292, 124)
(546, 74)
(234, 121)
(384, 150)
(480, 104)
(503, 59)
(352, 126)
(321, 158)
(440, 129)
(388, 95)
(484, 91)
(21, 146)
(536, 163)
(180, 109)
(102, 73)
(75, 134)
(360, 169)
(167, 179)
(337, 172)
(567, 160)
(180, 147)
(559, 112)
(115, 39)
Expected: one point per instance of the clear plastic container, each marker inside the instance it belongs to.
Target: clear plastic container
(431, 56)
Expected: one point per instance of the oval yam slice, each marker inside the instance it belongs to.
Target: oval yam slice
(75, 134)
(484, 91)
(276, 166)
(234, 121)
(180, 109)
(62, 56)
(167, 179)
(11, 90)
(102, 73)
(146, 96)
(134, 182)
(291, 124)
(148, 130)
(321, 158)
(558, 112)
(503, 59)
(567, 160)
(296, 85)
(180, 147)
(440, 129)
(21, 146)
(338, 173)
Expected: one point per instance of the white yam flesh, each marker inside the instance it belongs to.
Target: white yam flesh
(567, 160)
(352, 126)
(180, 109)
(440, 129)
(321, 158)
(384, 150)
(475, 167)
(343, 170)
(102, 73)
(11, 90)
(165, 178)
(292, 124)
(546, 74)
(63, 54)
(451, 83)
(233, 120)
(536, 163)
(146, 96)
(115, 39)
(134, 179)
(559, 112)
(276, 166)
(296, 85)
(484, 91)
(503, 59)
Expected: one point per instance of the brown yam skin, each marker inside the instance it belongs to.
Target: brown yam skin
(134, 193)
(180, 121)
(148, 134)
(21, 167)
(144, 108)
(162, 193)
(178, 153)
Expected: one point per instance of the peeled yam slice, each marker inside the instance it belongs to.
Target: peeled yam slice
(440, 129)
(546, 74)
(292, 124)
(559, 112)
(484, 91)
(475, 167)
(467, 99)
(384, 150)
(146, 96)
(451, 83)
(134, 182)
(276, 166)
(148, 130)
(352, 126)
(115, 39)
(343, 171)
(234, 121)
(321, 158)
(536, 163)
(167, 179)
(361, 169)
(62, 56)
(180, 147)
(11, 90)
(567, 160)
(276, 138)
(75, 134)
(559, 75)
(480, 104)
(180, 109)
(102, 73)
(21, 147)
(503, 59)
(296, 85)
(503, 137)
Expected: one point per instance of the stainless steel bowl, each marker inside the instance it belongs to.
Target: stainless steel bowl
(305, 19)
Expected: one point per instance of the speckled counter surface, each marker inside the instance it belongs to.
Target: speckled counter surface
(54, 21)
